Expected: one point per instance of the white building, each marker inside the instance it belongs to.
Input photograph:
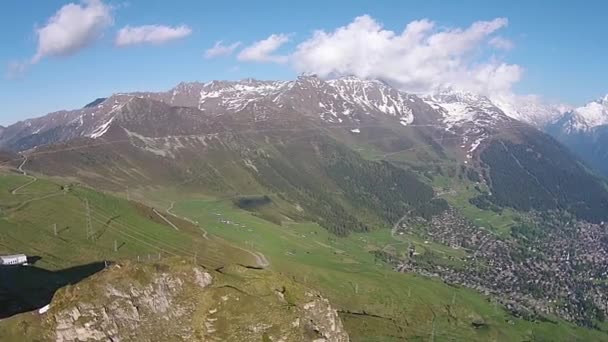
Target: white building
(17, 259)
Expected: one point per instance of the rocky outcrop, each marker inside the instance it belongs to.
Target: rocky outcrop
(323, 319)
(178, 301)
(126, 311)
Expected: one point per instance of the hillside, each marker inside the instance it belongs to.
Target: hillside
(536, 173)
(373, 301)
(301, 139)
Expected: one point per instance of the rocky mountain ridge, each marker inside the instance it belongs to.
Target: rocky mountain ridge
(349, 102)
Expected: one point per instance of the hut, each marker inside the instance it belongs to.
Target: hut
(16, 259)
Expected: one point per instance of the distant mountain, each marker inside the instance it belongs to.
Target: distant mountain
(95, 102)
(530, 109)
(585, 131)
(586, 118)
(302, 138)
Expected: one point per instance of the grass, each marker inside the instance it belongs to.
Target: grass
(135, 230)
(378, 304)
(459, 196)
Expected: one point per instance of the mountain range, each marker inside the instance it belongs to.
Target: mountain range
(470, 181)
(282, 135)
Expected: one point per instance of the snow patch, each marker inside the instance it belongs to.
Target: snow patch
(101, 130)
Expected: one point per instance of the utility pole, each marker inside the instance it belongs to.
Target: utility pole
(89, 224)
(454, 298)
(433, 331)
(115, 246)
(195, 258)
(55, 229)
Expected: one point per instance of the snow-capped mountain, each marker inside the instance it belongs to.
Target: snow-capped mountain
(460, 107)
(585, 118)
(585, 131)
(530, 109)
(376, 96)
(472, 117)
(350, 102)
(90, 121)
(291, 131)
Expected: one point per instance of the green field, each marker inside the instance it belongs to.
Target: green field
(120, 229)
(376, 303)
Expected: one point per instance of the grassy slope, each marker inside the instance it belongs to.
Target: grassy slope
(402, 305)
(26, 225)
(394, 305)
(461, 190)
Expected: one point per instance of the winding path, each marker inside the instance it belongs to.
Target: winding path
(20, 169)
(260, 258)
(205, 233)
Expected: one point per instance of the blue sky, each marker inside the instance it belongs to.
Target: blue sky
(557, 49)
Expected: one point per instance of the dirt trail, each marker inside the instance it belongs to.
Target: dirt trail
(260, 258)
(165, 219)
(205, 233)
(20, 169)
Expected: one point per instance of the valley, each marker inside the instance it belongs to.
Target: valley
(416, 217)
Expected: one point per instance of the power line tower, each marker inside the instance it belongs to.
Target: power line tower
(90, 233)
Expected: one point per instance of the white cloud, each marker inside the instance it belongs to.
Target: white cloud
(72, 28)
(150, 34)
(420, 58)
(263, 50)
(219, 49)
(501, 43)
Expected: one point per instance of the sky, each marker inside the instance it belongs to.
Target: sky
(63, 54)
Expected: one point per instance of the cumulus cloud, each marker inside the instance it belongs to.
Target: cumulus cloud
(72, 28)
(421, 58)
(263, 50)
(501, 43)
(219, 49)
(150, 34)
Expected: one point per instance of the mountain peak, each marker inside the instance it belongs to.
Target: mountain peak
(593, 114)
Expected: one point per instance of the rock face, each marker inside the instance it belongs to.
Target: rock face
(178, 301)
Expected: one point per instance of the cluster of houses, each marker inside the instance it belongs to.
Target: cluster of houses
(559, 267)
